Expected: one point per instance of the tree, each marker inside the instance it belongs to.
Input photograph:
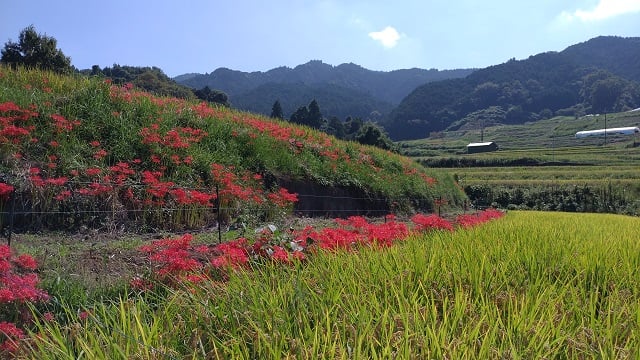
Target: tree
(605, 93)
(36, 51)
(300, 116)
(309, 116)
(352, 126)
(335, 127)
(314, 119)
(276, 110)
(371, 134)
(212, 96)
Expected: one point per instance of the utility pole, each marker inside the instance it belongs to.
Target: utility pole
(605, 127)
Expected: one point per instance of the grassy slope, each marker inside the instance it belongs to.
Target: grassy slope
(546, 140)
(116, 116)
(531, 285)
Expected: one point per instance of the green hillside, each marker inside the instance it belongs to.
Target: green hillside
(113, 154)
(593, 77)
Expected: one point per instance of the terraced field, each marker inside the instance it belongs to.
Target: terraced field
(542, 165)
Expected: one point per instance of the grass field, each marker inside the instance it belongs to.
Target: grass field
(529, 285)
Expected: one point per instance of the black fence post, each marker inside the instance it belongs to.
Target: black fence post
(218, 214)
(12, 211)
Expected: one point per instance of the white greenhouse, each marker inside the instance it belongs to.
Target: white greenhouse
(631, 130)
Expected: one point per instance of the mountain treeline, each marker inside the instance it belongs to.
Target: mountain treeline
(336, 100)
(600, 75)
(344, 90)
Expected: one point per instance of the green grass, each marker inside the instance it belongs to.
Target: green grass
(531, 285)
(117, 117)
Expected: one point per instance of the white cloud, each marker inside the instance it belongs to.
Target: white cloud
(388, 37)
(603, 10)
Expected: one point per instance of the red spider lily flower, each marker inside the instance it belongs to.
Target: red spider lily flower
(282, 198)
(471, 220)
(12, 334)
(93, 171)
(279, 254)
(83, 315)
(12, 132)
(5, 190)
(231, 254)
(431, 222)
(141, 284)
(428, 179)
(100, 154)
(95, 143)
(25, 261)
(195, 278)
(37, 181)
(63, 195)
(60, 181)
(155, 159)
(48, 316)
(9, 106)
(62, 124)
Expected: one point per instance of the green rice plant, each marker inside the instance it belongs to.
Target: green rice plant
(531, 285)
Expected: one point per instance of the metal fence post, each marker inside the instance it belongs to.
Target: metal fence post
(12, 211)
(219, 216)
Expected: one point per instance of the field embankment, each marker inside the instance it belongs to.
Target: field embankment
(81, 152)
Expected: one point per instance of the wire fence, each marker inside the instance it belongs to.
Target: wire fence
(20, 213)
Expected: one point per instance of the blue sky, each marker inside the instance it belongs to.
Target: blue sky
(199, 36)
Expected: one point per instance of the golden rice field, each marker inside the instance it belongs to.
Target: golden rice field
(531, 285)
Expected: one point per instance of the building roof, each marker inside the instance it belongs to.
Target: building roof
(613, 131)
(481, 144)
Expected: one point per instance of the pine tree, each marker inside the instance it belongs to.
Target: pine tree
(314, 118)
(276, 110)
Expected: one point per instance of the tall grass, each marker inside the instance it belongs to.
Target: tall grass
(532, 285)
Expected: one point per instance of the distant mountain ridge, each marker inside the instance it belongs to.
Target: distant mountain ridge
(333, 99)
(599, 75)
(381, 86)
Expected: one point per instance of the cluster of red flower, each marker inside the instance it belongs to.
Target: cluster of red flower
(176, 260)
(471, 220)
(17, 287)
(122, 181)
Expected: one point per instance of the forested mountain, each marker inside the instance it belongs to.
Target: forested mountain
(334, 100)
(382, 87)
(600, 75)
